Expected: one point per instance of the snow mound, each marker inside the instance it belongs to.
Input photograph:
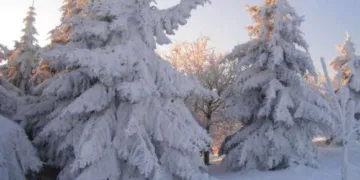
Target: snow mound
(17, 155)
(330, 161)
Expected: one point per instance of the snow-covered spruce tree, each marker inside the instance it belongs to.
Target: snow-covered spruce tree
(17, 155)
(23, 59)
(280, 113)
(118, 112)
(348, 65)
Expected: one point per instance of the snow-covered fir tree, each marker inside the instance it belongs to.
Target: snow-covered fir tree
(279, 112)
(348, 64)
(18, 157)
(23, 59)
(118, 111)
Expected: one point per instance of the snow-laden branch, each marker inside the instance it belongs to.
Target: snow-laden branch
(178, 14)
(4, 52)
(329, 88)
(354, 130)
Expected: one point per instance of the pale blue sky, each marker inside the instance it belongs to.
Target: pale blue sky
(223, 21)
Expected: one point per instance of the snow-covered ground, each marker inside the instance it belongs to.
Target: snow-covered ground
(330, 160)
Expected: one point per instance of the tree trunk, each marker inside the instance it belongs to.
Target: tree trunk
(207, 151)
(48, 172)
(207, 157)
(344, 168)
(329, 140)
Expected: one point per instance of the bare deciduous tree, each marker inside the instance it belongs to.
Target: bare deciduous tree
(344, 112)
(197, 59)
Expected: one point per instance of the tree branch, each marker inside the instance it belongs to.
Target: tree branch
(4, 52)
(354, 130)
(174, 16)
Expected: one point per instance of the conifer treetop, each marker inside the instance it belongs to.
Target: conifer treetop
(154, 22)
(70, 9)
(28, 40)
(348, 64)
(276, 26)
(23, 59)
(347, 49)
